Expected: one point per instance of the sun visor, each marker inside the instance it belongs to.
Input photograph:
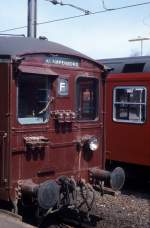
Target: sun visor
(37, 70)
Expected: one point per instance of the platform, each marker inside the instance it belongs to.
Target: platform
(9, 221)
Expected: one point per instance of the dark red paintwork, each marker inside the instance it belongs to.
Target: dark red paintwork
(127, 142)
(60, 156)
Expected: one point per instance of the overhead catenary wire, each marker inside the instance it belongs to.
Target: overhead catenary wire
(56, 2)
(145, 19)
(104, 6)
(79, 15)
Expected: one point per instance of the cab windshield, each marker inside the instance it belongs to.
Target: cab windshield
(87, 98)
(33, 98)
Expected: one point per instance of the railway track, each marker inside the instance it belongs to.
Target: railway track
(129, 209)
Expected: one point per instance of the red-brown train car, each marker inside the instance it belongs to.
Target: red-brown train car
(51, 123)
(127, 119)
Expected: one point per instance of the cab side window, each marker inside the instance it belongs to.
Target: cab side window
(129, 104)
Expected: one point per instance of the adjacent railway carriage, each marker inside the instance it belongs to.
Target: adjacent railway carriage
(51, 124)
(127, 119)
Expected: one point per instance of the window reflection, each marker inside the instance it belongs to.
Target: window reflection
(33, 96)
(129, 104)
(87, 98)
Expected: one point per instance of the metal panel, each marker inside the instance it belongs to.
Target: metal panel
(4, 124)
(118, 64)
(37, 70)
(22, 45)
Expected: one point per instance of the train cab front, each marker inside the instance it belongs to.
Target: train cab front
(56, 122)
(57, 134)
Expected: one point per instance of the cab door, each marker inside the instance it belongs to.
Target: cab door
(88, 115)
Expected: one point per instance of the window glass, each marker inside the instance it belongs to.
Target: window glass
(129, 104)
(87, 98)
(133, 67)
(33, 99)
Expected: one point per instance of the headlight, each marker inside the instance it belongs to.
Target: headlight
(93, 143)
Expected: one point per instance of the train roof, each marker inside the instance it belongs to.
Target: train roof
(12, 46)
(128, 64)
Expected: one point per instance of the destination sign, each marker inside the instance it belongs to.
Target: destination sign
(62, 60)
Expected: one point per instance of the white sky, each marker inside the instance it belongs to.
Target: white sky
(99, 36)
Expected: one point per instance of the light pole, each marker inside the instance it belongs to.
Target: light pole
(32, 18)
(140, 39)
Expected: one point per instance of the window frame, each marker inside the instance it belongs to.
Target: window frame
(97, 97)
(139, 121)
(31, 120)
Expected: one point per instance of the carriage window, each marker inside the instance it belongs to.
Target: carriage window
(87, 98)
(33, 99)
(129, 104)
